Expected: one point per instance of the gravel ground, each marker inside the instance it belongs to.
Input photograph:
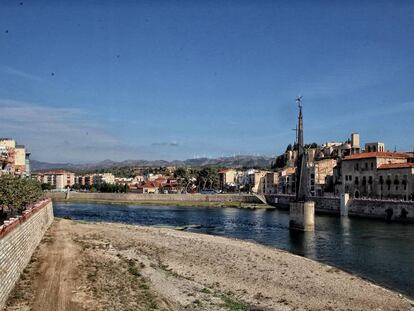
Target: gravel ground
(100, 266)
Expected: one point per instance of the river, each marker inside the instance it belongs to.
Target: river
(381, 252)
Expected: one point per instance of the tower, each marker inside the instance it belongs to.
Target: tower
(301, 211)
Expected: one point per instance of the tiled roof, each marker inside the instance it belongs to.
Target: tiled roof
(148, 184)
(368, 155)
(225, 170)
(395, 166)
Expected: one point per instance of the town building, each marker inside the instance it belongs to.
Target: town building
(60, 179)
(320, 176)
(271, 182)
(105, 178)
(375, 147)
(228, 179)
(147, 187)
(377, 175)
(286, 181)
(14, 159)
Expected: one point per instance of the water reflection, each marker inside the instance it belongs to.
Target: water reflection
(376, 250)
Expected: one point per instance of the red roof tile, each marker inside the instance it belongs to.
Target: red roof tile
(368, 155)
(395, 166)
(148, 184)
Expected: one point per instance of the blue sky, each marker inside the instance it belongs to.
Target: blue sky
(89, 80)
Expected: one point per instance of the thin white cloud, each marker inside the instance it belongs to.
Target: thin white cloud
(57, 134)
(19, 73)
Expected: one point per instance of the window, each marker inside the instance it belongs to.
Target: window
(372, 166)
(356, 180)
(350, 177)
(366, 165)
(364, 181)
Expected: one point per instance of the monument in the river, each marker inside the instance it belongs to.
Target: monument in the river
(302, 211)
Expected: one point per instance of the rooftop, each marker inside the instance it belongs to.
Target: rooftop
(54, 172)
(368, 155)
(395, 166)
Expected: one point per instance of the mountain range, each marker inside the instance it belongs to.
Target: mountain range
(233, 162)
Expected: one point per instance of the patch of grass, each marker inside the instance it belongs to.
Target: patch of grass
(233, 304)
(132, 268)
(205, 290)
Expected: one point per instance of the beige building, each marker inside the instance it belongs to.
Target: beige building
(320, 176)
(271, 182)
(13, 158)
(286, 181)
(148, 187)
(107, 178)
(375, 147)
(396, 181)
(257, 181)
(59, 178)
(373, 174)
(227, 178)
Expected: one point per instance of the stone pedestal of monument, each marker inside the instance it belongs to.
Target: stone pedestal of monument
(302, 216)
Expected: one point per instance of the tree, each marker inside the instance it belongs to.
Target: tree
(207, 178)
(16, 194)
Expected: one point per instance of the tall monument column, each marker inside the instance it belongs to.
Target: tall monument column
(302, 211)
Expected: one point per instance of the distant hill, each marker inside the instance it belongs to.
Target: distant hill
(234, 162)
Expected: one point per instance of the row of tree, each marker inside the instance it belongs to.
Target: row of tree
(199, 179)
(102, 187)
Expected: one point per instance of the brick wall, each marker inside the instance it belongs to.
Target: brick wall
(19, 238)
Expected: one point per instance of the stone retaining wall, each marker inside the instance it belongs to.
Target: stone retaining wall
(139, 197)
(364, 208)
(19, 237)
(378, 209)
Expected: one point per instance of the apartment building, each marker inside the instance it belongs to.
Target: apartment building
(60, 179)
(14, 159)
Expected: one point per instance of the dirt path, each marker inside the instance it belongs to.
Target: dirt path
(82, 266)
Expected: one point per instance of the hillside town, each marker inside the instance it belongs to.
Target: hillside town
(363, 171)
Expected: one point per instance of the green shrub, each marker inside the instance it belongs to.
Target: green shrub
(16, 194)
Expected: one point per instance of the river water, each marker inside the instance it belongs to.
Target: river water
(381, 252)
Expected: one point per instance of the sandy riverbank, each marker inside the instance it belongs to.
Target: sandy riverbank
(86, 266)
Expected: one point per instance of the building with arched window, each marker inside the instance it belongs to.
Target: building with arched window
(382, 175)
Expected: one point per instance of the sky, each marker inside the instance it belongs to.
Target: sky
(84, 81)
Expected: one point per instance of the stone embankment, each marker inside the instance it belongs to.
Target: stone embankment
(19, 237)
(153, 198)
(401, 211)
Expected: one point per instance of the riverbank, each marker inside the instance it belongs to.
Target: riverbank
(221, 200)
(89, 266)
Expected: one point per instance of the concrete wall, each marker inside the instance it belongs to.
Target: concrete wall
(19, 237)
(145, 197)
(356, 207)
